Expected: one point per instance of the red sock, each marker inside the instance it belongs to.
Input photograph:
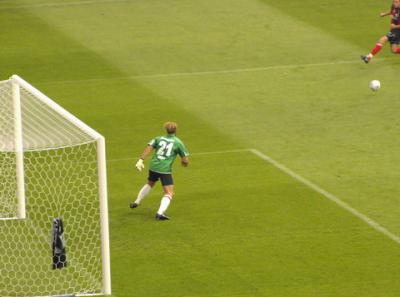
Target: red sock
(376, 49)
(397, 50)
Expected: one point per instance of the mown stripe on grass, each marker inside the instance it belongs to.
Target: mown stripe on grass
(204, 73)
(378, 227)
(375, 225)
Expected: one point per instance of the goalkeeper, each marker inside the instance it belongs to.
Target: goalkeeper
(166, 148)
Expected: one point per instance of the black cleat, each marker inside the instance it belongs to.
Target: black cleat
(133, 205)
(365, 59)
(161, 217)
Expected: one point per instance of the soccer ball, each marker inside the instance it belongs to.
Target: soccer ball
(375, 85)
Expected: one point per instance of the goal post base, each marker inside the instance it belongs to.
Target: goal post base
(52, 165)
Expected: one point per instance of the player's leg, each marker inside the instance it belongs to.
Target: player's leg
(395, 41)
(145, 190)
(395, 49)
(165, 201)
(168, 186)
(377, 48)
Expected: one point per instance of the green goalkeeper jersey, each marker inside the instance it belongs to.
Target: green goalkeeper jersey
(166, 149)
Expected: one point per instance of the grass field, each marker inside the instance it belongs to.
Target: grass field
(281, 77)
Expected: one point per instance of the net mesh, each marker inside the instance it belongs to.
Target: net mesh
(61, 181)
(8, 188)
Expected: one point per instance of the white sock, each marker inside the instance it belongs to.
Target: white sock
(165, 201)
(143, 193)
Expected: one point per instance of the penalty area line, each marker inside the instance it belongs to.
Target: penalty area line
(192, 154)
(375, 225)
(207, 73)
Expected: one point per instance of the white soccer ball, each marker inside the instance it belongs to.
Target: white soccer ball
(375, 85)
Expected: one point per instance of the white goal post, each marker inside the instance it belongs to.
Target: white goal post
(52, 165)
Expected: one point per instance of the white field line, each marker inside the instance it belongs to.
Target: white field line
(60, 4)
(78, 295)
(10, 219)
(378, 227)
(328, 195)
(192, 154)
(205, 73)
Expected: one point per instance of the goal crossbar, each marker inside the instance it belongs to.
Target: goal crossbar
(17, 149)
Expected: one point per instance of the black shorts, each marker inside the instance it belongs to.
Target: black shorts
(166, 178)
(394, 36)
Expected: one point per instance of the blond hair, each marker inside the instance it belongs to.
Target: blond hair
(171, 127)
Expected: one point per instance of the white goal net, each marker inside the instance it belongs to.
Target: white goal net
(52, 166)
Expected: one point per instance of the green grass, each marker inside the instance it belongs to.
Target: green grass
(240, 226)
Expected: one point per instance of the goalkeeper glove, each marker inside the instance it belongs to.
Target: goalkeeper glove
(140, 164)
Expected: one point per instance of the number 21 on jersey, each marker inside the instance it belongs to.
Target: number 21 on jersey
(165, 150)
